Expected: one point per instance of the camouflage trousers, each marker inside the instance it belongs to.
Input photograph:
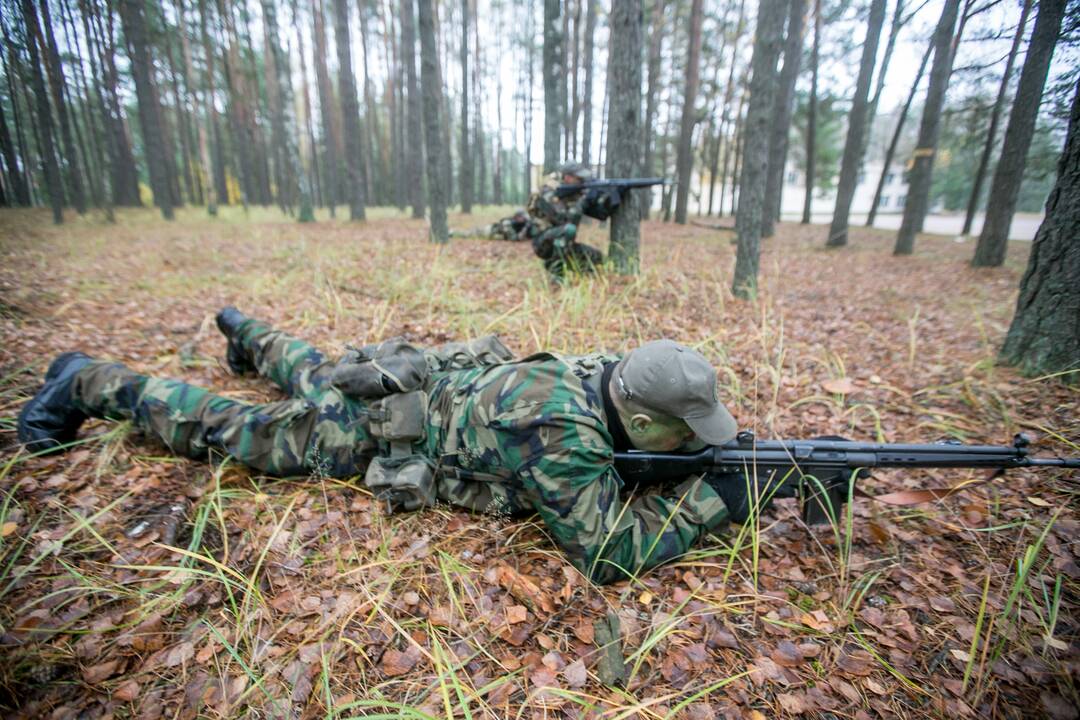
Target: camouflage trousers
(560, 252)
(318, 430)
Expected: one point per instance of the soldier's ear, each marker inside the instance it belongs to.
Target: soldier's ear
(640, 423)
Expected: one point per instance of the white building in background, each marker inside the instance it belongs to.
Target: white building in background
(893, 194)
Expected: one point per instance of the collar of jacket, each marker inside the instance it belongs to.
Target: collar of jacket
(618, 432)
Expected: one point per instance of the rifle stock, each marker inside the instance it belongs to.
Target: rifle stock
(793, 460)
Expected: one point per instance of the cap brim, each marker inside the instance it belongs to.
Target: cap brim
(716, 428)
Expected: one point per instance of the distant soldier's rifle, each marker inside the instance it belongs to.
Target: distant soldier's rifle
(619, 185)
(833, 461)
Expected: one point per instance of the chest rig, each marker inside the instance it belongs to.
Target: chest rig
(389, 377)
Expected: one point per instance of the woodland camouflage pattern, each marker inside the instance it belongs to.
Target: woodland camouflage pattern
(513, 438)
(554, 241)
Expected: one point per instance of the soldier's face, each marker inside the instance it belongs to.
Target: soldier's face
(660, 433)
(571, 180)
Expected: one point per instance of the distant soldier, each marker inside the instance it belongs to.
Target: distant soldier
(518, 226)
(557, 212)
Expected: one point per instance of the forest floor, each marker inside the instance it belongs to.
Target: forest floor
(135, 584)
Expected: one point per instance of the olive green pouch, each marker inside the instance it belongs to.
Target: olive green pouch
(374, 371)
(403, 484)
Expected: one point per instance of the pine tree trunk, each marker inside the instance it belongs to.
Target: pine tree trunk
(350, 112)
(1005, 188)
(122, 172)
(374, 158)
(737, 139)
(811, 120)
(890, 153)
(586, 100)
(213, 121)
(331, 125)
(1044, 337)
(554, 84)
(781, 121)
(624, 134)
(58, 85)
(480, 193)
(20, 190)
(918, 196)
(527, 115)
(94, 156)
(857, 129)
(154, 142)
(465, 177)
(995, 118)
(182, 124)
(684, 162)
(652, 95)
(763, 88)
(309, 158)
(432, 91)
(209, 189)
(414, 147)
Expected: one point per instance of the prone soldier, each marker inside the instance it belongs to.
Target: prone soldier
(518, 226)
(466, 424)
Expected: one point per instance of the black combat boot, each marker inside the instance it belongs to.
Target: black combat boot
(228, 322)
(51, 420)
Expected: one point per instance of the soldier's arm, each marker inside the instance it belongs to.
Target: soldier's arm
(606, 538)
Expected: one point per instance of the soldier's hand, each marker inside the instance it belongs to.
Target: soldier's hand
(739, 493)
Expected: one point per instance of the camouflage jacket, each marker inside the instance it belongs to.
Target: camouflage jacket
(532, 436)
(550, 210)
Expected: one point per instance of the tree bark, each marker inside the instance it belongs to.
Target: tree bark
(350, 112)
(763, 88)
(58, 84)
(333, 143)
(811, 119)
(684, 161)
(923, 161)
(465, 171)
(554, 84)
(624, 134)
(1001, 205)
(891, 151)
(857, 129)
(309, 158)
(586, 100)
(781, 122)
(209, 189)
(995, 119)
(123, 175)
(414, 146)
(432, 89)
(1044, 337)
(20, 190)
(527, 115)
(656, 47)
(374, 176)
(154, 141)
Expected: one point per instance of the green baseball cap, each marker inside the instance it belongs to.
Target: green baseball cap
(671, 378)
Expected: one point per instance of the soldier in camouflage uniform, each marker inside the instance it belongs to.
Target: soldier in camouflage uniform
(497, 435)
(557, 220)
(518, 226)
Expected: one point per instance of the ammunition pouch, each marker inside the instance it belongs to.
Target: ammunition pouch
(374, 371)
(405, 480)
(391, 376)
(402, 484)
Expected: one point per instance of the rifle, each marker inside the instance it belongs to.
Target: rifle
(619, 185)
(831, 463)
